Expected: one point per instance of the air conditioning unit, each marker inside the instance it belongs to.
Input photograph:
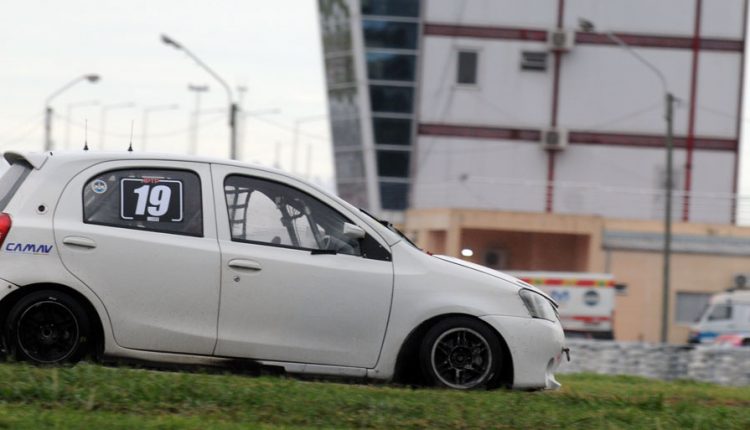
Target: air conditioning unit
(559, 39)
(741, 281)
(554, 139)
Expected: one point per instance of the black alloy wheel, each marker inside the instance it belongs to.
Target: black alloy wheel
(48, 327)
(461, 353)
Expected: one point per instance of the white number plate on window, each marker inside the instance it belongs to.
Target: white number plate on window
(151, 199)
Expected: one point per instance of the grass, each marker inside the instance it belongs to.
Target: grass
(93, 396)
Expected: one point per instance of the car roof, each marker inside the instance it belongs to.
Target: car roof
(38, 159)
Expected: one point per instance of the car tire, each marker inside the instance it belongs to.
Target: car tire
(48, 327)
(461, 353)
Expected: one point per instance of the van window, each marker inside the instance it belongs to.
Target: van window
(11, 180)
(720, 313)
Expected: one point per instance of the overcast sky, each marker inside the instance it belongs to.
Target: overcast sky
(270, 47)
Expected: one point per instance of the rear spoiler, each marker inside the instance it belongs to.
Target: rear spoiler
(35, 159)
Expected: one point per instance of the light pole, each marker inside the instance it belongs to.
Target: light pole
(48, 108)
(669, 100)
(193, 139)
(297, 123)
(144, 123)
(69, 117)
(103, 118)
(232, 105)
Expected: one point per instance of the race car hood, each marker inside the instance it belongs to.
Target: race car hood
(494, 273)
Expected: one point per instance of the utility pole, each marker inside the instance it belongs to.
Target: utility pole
(193, 138)
(668, 116)
(49, 113)
(230, 97)
(669, 101)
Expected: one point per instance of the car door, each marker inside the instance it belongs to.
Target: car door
(141, 235)
(294, 286)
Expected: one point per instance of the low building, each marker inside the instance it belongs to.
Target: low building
(705, 260)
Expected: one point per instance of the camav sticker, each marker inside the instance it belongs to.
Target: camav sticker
(151, 199)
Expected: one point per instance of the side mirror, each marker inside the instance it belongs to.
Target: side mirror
(352, 231)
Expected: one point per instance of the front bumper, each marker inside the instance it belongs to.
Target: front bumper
(536, 347)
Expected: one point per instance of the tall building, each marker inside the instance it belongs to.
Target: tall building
(536, 107)
(533, 134)
(371, 50)
(510, 105)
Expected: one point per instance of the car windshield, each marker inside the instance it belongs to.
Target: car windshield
(720, 312)
(391, 227)
(10, 180)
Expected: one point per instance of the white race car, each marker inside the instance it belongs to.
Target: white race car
(165, 258)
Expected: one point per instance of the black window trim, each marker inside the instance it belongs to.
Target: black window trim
(171, 169)
(299, 248)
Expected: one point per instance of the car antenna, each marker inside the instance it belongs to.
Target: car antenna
(130, 147)
(86, 137)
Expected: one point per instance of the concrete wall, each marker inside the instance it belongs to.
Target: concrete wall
(721, 365)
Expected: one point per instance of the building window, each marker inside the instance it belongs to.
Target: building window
(385, 98)
(393, 195)
(390, 67)
(407, 8)
(340, 70)
(467, 67)
(386, 34)
(393, 164)
(534, 61)
(392, 131)
(690, 306)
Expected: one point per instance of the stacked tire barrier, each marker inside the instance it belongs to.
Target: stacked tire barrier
(721, 365)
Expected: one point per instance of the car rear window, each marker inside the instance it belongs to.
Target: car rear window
(11, 180)
(160, 200)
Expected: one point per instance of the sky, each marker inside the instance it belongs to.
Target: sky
(271, 48)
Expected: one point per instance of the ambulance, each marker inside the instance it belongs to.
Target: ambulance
(587, 300)
(727, 313)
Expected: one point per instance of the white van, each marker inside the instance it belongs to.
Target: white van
(727, 313)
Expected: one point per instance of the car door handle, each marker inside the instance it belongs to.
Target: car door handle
(81, 242)
(244, 265)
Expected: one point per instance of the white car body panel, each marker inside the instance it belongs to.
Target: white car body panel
(324, 314)
(293, 307)
(164, 285)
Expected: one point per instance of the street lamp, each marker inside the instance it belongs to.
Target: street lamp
(144, 123)
(103, 118)
(69, 117)
(48, 108)
(669, 100)
(232, 105)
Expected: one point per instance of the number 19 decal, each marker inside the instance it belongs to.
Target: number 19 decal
(150, 199)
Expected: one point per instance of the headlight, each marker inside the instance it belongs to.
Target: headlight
(538, 305)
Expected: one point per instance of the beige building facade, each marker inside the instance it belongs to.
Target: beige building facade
(705, 258)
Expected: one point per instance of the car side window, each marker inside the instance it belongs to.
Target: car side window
(268, 212)
(160, 200)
